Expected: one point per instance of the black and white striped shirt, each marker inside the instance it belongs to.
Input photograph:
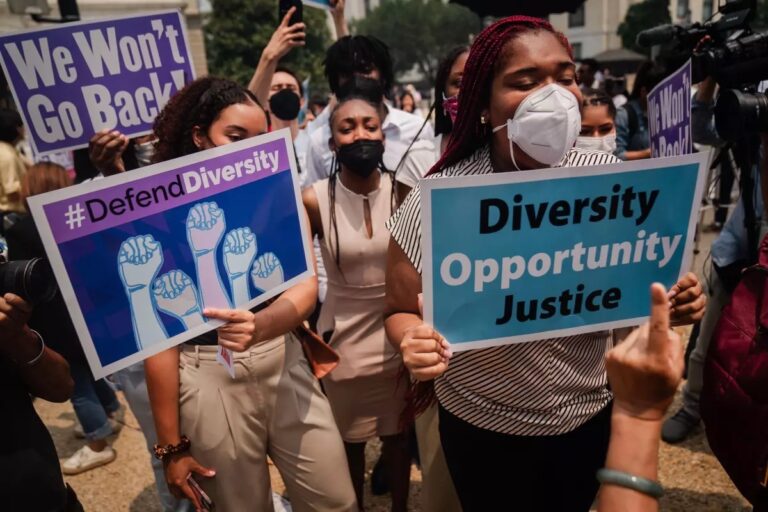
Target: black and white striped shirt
(546, 387)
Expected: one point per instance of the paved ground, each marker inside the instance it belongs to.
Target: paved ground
(694, 480)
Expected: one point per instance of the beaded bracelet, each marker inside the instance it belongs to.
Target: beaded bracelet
(163, 452)
(629, 481)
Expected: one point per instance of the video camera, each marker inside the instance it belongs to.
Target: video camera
(734, 55)
(32, 280)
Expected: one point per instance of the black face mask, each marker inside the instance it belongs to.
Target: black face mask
(362, 157)
(285, 104)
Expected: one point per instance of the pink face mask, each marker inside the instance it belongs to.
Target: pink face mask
(451, 107)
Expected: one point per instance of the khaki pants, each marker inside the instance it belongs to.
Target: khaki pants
(273, 407)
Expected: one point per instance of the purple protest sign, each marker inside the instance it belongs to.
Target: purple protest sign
(73, 80)
(669, 114)
(140, 255)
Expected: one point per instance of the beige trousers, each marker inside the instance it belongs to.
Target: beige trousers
(437, 491)
(273, 406)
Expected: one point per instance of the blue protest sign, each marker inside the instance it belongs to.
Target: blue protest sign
(524, 256)
(321, 4)
(669, 114)
(140, 255)
(73, 80)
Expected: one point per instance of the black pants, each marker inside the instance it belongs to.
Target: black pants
(493, 471)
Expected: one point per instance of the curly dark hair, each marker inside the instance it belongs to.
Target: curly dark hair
(351, 55)
(199, 103)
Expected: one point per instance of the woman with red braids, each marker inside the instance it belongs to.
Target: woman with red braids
(523, 424)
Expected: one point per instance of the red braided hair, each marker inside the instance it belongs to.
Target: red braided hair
(468, 133)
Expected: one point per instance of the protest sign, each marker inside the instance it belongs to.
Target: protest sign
(523, 256)
(669, 114)
(73, 80)
(140, 255)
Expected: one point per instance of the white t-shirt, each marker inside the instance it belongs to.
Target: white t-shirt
(419, 160)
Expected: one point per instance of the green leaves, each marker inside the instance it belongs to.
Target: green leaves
(420, 32)
(642, 16)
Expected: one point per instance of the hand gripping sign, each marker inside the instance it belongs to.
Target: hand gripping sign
(140, 255)
(524, 256)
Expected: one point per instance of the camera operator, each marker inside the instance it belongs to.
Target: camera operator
(730, 253)
(29, 467)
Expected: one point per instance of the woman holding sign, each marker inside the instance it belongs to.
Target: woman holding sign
(541, 409)
(234, 423)
(347, 213)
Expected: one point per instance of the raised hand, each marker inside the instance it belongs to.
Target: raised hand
(267, 272)
(139, 261)
(239, 251)
(285, 37)
(175, 294)
(205, 227)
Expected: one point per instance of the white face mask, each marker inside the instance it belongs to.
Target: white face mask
(545, 125)
(605, 143)
(144, 152)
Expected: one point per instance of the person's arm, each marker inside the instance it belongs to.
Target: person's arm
(309, 198)
(48, 377)
(644, 372)
(283, 39)
(162, 372)
(403, 286)
(339, 21)
(424, 350)
(244, 329)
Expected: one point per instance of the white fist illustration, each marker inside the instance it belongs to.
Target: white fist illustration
(139, 261)
(176, 295)
(205, 227)
(267, 272)
(239, 251)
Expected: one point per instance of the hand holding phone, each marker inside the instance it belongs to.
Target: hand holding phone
(298, 14)
(204, 499)
(288, 35)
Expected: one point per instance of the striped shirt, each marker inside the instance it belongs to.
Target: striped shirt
(545, 387)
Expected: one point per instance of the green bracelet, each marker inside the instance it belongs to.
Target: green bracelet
(636, 483)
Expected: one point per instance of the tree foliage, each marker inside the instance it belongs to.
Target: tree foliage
(419, 32)
(238, 30)
(642, 16)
